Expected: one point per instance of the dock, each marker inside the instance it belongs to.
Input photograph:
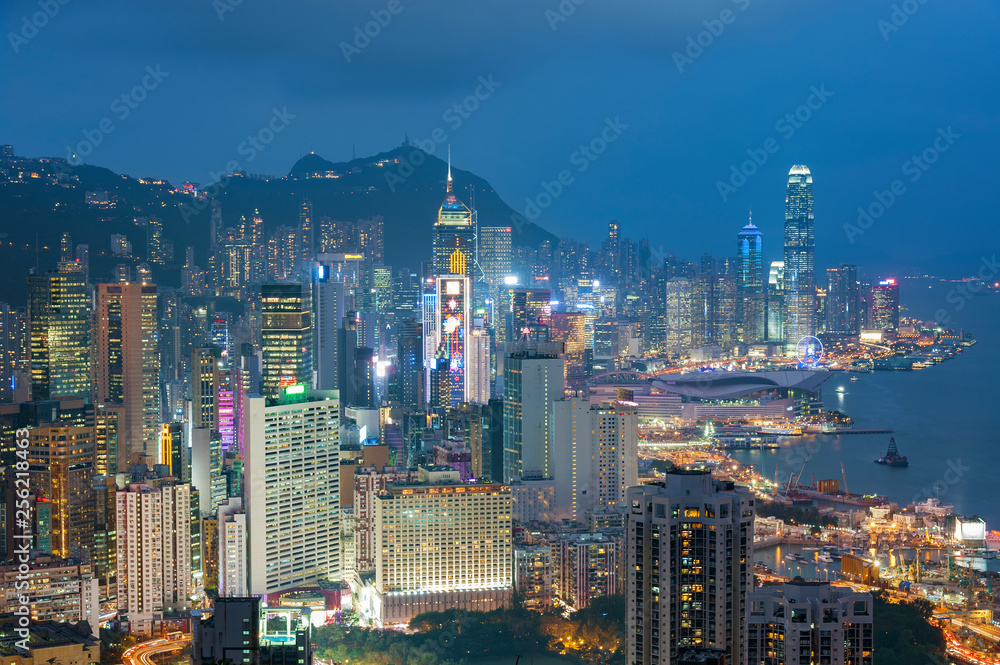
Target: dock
(850, 430)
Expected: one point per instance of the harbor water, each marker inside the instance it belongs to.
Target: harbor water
(945, 419)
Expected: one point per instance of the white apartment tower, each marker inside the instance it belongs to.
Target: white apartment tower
(232, 549)
(809, 623)
(595, 456)
(154, 550)
(292, 488)
(690, 565)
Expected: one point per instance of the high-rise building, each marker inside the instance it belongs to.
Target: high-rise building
(533, 575)
(453, 319)
(204, 386)
(677, 318)
(307, 232)
(292, 491)
(495, 254)
(53, 589)
(370, 482)
(60, 470)
(800, 256)
(587, 566)
(126, 365)
(532, 382)
(454, 232)
(286, 337)
(750, 284)
(410, 359)
(175, 452)
(843, 300)
(478, 363)
(775, 302)
(595, 453)
(690, 563)
(469, 565)
(14, 355)
(569, 329)
(60, 327)
(232, 520)
(330, 303)
(885, 305)
(801, 623)
(154, 550)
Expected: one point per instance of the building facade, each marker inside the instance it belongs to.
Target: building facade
(800, 256)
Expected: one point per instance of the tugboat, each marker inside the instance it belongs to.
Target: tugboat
(892, 456)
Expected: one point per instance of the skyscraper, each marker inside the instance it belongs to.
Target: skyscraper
(800, 250)
(292, 491)
(569, 329)
(843, 300)
(410, 358)
(454, 231)
(532, 381)
(478, 363)
(60, 470)
(126, 365)
(232, 520)
(59, 324)
(154, 550)
(330, 304)
(750, 284)
(690, 545)
(775, 302)
(677, 318)
(452, 319)
(594, 456)
(286, 336)
(495, 254)
(885, 305)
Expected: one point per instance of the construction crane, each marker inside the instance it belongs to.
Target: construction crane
(797, 477)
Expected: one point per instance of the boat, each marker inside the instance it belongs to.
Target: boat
(825, 558)
(810, 549)
(855, 379)
(789, 557)
(892, 456)
(780, 430)
(836, 555)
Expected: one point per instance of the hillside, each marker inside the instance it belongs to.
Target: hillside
(47, 197)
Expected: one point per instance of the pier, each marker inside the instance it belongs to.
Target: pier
(851, 430)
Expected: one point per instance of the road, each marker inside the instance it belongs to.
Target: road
(141, 653)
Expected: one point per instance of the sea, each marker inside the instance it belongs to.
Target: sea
(945, 418)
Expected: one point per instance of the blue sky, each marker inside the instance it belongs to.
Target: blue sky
(560, 71)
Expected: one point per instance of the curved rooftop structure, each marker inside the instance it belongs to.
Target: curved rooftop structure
(731, 385)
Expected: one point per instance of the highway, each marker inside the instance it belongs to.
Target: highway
(141, 653)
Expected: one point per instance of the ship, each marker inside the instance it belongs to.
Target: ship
(892, 456)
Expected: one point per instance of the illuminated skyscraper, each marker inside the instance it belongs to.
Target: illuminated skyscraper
(885, 305)
(286, 336)
(843, 300)
(678, 316)
(569, 328)
(495, 254)
(800, 260)
(750, 284)
(454, 231)
(775, 302)
(478, 354)
(292, 492)
(126, 365)
(60, 469)
(452, 319)
(204, 387)
(59, 324)
(532, 381)
(690, 563)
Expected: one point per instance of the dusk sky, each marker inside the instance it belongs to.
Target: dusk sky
(891, 79)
